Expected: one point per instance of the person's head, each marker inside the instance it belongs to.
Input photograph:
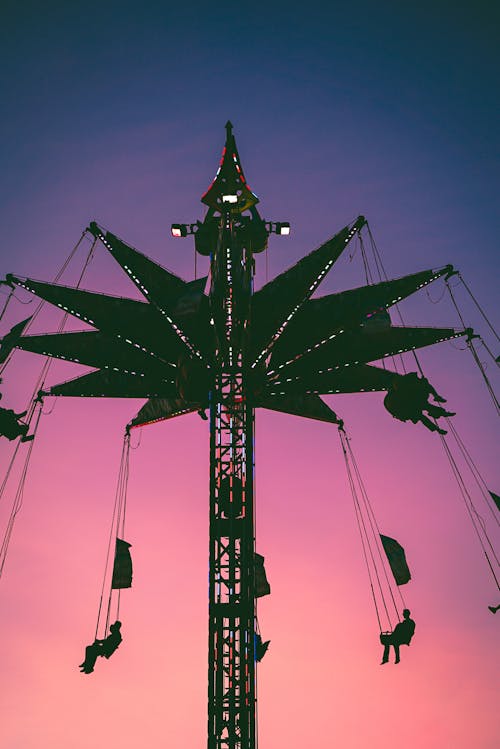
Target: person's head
(406, 613)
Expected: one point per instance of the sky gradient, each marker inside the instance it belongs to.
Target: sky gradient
(116, 113)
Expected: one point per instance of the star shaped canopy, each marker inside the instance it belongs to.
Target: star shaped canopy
(300, 347)
(167, 347)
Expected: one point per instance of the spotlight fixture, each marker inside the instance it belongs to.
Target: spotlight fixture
(278, 227)
(230, 198)
(283, 228)
(182, 230)
(179, 230)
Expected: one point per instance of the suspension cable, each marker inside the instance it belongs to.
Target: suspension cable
(382, 276)
(18, 499)
(479, 308)
(474, 516)
(470, 508)
(374, 527)
(490, 352)
(9, 297)
(55, 280)
(366, 266)
(34, 412)
(358, 520)
(474, 353)
(367, 546)
(483, 487)
(117, 526)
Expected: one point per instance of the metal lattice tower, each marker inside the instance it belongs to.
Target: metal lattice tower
(232, 351)
(231, 680)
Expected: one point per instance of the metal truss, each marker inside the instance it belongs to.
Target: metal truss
(231, 675)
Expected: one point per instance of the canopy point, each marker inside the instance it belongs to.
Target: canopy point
(229, 185)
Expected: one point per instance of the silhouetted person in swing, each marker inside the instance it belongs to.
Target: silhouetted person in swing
(11, 427)
(407, 399)
(110, 644)
(403, 632)
(104, 648)
(260, 647)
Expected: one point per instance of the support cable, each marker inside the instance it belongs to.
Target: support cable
(490, 352)
(483, 487)
(117, 527)
(9, 297)
(479, 308)
(34, 412)
(18, 499)
(474, 354)
(374, 527)
(366, 266)
(363, 545)
(475, 518)
(470, 509)
(382, 276)
(55, 280)
(364, 535)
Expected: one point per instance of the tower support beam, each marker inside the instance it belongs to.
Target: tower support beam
(231, 677)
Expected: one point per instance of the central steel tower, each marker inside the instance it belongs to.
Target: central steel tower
(231, 657)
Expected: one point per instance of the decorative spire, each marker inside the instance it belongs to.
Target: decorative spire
(230, 185)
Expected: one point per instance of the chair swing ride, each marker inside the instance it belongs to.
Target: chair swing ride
(228, 352)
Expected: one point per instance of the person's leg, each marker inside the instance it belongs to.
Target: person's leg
(91, 653)
(430, 425)
(437, 411)
(396, 651)
(25, 436)
(385, 656)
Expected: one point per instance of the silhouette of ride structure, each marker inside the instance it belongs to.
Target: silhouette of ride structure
(216, 347)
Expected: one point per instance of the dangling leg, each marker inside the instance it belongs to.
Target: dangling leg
(24, 432)
(387, 646)
(430, 425)
(396, 651)
(437, 411)
(91, 654)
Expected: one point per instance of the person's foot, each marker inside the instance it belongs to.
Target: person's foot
(28, 438)
(439, 399)
(396, 661)
(20, 416)
(442, 431)
(449, 413)
(383, 663)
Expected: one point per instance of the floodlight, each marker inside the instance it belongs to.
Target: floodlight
(179, 230)
(283, 227)
(231, 198)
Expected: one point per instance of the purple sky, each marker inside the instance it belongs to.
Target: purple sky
(116, 112)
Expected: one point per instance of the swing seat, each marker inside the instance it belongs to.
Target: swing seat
(385, 638)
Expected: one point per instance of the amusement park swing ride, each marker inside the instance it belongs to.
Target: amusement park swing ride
(223, 353)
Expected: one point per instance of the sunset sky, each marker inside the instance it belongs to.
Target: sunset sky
(115, 112)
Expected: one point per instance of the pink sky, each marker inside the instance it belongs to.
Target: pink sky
(134, 148)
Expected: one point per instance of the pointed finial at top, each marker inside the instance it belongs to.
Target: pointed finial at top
(229, 185)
